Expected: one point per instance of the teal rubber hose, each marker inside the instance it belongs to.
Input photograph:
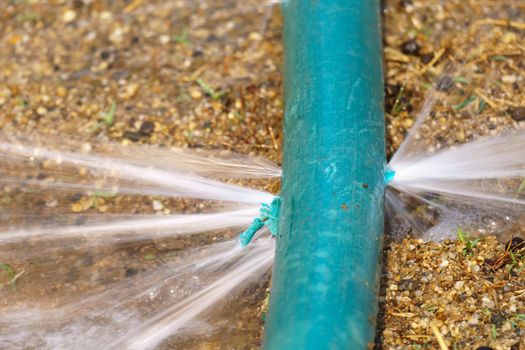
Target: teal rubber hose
(325, 277)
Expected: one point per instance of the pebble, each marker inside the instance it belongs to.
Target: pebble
(444, 264)
(517, 113)
(165, 39)
(132, 136)
(130, 90)
(516, 243)
(69, 16)
(459, 285)
(487, 302)
(130, 272)
(147, 128)
(445, 83)
(41, 111)
(410, 47)
(497, 319)
(157, 205)
(427, 58)
(509, 79)
(195, 93)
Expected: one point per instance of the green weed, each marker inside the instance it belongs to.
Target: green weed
(470, 244)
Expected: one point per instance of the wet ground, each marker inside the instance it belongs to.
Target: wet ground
(208, 74)
(191, 74)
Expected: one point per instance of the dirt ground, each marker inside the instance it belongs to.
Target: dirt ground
(466, 57)
(208, 74)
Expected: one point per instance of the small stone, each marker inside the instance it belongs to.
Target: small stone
(69, 16)
(147, 128)
(41, 111)
(52, 203)
(75, 197)
(427, 58)
(129, 91)
(460, 136)
(408, 284)
(117, 35)
(254, 36)
(157, 205)
(195, 93)
(497, 319)
(61, 91)
(102, 208)
(445, 83)
(130, 272)
(392, 90)
(487, 302)
(515, 244)
(459, 285)
(444, 264)
(517, 113)
(509, 79)
(407, 123)
(78, 207)
(132, 135)
(78, 4)
(513, 308)
(106, 16)
(164, 39)
(474, 320)
(105, 55)
(410, 47)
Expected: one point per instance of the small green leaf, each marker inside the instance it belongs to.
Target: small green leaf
(465, 103)
(397, 104)
(461, 80)
(499, 58)
(109, 116)
(486, 310)
(29, 16)
(103, 194)
(522, 186)
(182, 38)
(209, 90)
(150, 256)
(461, 235)
(8, 270)
(482, 106)
(10, 275)
(474, 243)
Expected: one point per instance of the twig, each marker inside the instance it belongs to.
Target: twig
(272, 135)
(132, 6)
(402, 314)
(434, 60)
(441, 341)
(485, 98)
(417, 336)
(17, 276)
(500, 22)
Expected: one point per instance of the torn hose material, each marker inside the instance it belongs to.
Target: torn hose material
(325, 278)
